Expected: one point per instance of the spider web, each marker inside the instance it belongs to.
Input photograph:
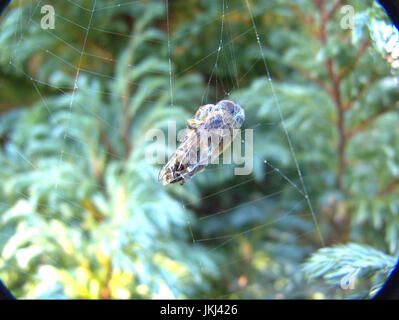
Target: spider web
(224, 54)
(225, 239)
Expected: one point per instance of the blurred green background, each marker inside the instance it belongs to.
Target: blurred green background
(82, 214)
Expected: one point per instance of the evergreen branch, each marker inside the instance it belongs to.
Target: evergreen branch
(316, 80)
(351, 261)
(334, 9)
(359, 53)
(365, 123)
(335, 92)
(363, 90)
(389, 188)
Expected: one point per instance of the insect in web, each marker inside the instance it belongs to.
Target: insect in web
(211, 131)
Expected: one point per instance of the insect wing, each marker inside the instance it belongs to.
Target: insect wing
(182, 162)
